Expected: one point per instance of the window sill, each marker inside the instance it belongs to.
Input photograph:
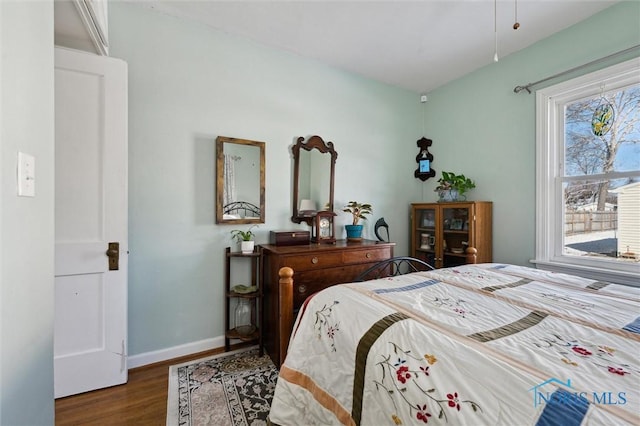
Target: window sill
(599, 274)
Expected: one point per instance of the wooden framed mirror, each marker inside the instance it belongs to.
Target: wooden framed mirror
(239, 180)
(314, 164)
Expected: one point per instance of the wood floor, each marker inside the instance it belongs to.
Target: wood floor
(142, 401)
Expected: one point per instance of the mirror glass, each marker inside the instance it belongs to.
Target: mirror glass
(314, 166)
(239, 180)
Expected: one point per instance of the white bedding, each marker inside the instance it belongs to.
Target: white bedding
(485, 344)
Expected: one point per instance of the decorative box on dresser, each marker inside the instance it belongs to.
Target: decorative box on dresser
(441, 232)
(315, 267)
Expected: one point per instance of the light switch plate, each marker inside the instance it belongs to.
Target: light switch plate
(26, 175)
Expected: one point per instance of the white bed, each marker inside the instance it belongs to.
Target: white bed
(486, 344)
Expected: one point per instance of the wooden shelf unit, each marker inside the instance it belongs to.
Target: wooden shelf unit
(445, 226)
(257, 317)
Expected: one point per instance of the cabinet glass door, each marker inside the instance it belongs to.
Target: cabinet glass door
(425, 238)
(455, 235)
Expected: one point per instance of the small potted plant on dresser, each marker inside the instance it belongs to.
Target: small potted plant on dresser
(245, 238)
(358, 211)
(452, 187)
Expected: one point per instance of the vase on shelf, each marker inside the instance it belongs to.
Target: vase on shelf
(354, 232)
(246, 247)
(243, 314)
(448, 195)
(426, 242)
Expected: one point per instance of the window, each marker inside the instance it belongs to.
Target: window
(588, 175)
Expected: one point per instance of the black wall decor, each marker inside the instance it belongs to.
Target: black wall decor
(424, 160)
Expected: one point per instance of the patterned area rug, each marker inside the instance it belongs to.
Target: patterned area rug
(230, 389)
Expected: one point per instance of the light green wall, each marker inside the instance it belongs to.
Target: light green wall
(481, 128)
(26, 224)
(189, 84)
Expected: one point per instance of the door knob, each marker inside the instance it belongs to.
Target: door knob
(113, 252)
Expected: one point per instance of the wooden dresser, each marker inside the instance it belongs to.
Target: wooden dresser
(315, 267)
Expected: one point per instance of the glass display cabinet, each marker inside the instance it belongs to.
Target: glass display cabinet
(442, 232)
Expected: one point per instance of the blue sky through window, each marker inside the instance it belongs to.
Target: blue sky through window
(586, 153)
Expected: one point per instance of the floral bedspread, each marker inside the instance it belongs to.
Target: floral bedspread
(486, 344)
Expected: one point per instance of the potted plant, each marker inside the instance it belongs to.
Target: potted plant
(245, 238)
(358, 211)
(452, 186)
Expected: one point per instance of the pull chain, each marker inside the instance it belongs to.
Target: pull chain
(495, 29)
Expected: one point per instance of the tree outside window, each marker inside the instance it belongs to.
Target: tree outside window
(602, 158)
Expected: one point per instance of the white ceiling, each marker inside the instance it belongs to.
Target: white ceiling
(418, 45)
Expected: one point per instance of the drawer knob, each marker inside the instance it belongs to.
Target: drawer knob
(302, 289)
(368, 255)
(314, 260)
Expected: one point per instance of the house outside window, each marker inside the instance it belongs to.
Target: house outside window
(588, 175)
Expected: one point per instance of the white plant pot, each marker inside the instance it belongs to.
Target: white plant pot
(247, 247)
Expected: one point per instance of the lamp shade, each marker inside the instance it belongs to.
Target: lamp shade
(307, 206)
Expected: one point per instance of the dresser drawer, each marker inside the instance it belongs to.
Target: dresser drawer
(369, 255)
(305, 284)
(314, 261)
(315, 267)
(309, 282)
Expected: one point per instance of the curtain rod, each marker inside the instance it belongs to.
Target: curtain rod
(528, 86)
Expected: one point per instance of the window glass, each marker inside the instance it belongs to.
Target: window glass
(588, 175)
(601, 138)
(602, 133)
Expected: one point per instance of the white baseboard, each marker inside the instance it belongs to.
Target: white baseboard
(175, 352)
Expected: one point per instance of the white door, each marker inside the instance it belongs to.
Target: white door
(90, 337)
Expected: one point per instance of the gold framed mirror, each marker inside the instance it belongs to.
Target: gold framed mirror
(239, 180)
(314, 164)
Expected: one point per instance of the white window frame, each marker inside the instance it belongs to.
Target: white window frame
(550, 103)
